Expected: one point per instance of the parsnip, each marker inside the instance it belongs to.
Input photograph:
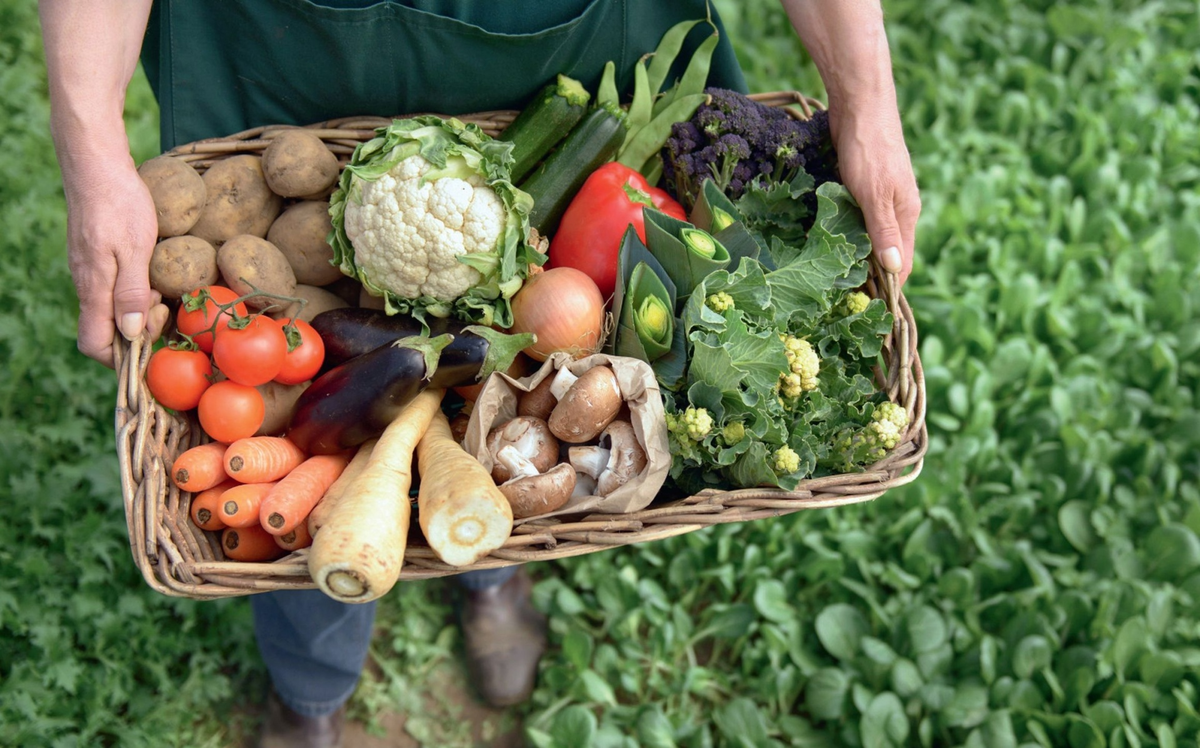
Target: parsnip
(320, 512)
(463, 514)
(357, 555)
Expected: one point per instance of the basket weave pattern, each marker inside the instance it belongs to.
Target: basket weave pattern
(178, 559)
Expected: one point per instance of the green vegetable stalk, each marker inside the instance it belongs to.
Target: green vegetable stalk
(649, 311)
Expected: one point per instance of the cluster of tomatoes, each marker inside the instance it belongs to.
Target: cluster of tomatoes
(226, 353)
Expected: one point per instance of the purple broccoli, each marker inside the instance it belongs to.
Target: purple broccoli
(734, 140)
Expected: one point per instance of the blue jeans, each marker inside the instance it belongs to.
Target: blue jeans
(314, 647)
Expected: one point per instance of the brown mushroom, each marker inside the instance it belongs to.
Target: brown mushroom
(615, 461)
(531, 493)
(538, 402)
(584, 410)
(531, 438)
(626, 457)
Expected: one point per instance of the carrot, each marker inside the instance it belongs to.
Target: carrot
(316, 518)
(294, 496)
(206, 504)
(262, 459)
(250, 544)
(239, 505)
(463, 514)
(357, 555)
(200, 468)
(296, 539)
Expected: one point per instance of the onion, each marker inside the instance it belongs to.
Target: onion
(563, 308)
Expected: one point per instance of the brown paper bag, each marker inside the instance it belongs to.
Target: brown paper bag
(497, 404)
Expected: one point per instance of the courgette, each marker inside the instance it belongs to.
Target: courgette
(547, 119)
(593, 142)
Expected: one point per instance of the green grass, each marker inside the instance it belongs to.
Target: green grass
(1038, 585)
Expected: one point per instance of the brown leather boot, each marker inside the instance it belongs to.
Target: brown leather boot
(504, 637)
(285, 728)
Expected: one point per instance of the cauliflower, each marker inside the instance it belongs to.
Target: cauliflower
(785, 460)
(720, 302)
(425, 216)
(804, 365)
(855, 302)
(408, 233)
(887, 425)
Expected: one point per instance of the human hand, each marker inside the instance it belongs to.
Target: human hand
(876, 169)
(111, 232)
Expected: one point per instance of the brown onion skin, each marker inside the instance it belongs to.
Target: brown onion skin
(554, 297)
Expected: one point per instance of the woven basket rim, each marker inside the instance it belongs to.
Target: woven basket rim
(177, 559)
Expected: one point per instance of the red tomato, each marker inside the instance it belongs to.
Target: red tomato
(178, 378)
(304, 361)
(230, 411)
(251, 355)
(191, 322)
(589, 236)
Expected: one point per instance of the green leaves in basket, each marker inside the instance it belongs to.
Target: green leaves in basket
(687, 254)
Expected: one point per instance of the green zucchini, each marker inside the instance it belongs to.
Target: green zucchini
(547, 119)
(593, 142)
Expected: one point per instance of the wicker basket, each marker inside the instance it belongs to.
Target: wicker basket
(178, 559)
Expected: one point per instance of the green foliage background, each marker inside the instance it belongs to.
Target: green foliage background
(1039, 585)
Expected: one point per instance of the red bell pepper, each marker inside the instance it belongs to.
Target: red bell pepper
(589, 236)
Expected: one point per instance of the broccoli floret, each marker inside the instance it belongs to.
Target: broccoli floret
(734, 140)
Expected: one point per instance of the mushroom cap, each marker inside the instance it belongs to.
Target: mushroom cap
(531, 437)
(591, 404)
(538, 494)
(538, 402)
(626, 457)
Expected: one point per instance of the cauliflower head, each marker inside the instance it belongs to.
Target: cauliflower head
(426, 217)
(408, 232)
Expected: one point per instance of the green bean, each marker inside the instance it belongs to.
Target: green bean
(694, 78)
(607, 94)
(643, 144)
(668, 50)
(643, 98)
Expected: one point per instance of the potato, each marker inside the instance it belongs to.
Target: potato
(178, 192)
(319, 300)
(300, 234)
(297, 163)
(182, 264)
(280, 400)
(247, 261)
(367, 300)
(238, 201)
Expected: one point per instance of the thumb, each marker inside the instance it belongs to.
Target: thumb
(131, 296)
(886, 239)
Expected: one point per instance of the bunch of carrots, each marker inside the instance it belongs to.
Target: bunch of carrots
(259, 492)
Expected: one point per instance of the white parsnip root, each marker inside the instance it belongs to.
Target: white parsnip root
(462, 513)
(357, 555)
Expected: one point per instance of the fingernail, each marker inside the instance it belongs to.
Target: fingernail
(131, 325)
(890, 259)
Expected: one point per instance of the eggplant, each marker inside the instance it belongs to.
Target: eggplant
(352, 331)
(355, 402)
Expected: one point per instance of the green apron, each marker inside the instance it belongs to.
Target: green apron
(219, 67)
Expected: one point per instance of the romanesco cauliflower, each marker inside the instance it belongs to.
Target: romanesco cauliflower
(887, 425)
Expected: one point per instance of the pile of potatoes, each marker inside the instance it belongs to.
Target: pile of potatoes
(251, 220)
